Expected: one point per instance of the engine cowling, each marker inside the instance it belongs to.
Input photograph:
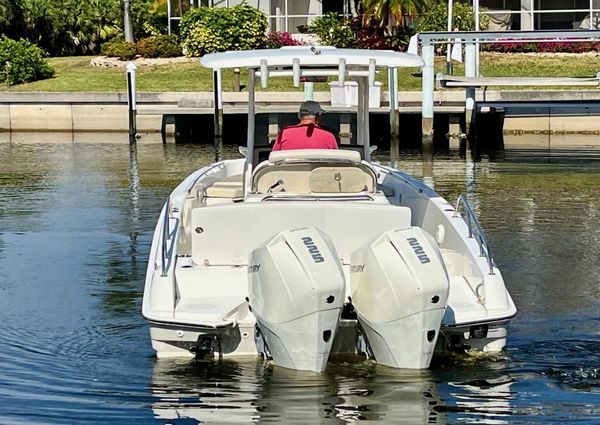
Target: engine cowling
(296, 291)
(400, 291)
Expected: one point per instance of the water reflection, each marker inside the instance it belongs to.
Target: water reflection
(250, 391)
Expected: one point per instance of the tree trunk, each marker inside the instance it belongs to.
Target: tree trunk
(127, 27)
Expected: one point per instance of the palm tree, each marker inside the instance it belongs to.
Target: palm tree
(390, 13)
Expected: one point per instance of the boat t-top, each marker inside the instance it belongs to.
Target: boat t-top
(311, 252)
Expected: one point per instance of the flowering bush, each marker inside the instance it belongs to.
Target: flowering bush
(544, 47)
(279, 39)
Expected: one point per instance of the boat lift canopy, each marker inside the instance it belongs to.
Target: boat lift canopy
(311, 61)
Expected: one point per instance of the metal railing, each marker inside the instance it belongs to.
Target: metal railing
(475, 230)
(167, 235)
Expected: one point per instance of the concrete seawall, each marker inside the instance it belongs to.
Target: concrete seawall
(566, 111)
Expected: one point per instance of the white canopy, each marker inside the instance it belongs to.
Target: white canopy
(310, 56)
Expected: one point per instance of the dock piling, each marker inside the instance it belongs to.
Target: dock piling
(470, 71)
(428, 86)
(131, 104)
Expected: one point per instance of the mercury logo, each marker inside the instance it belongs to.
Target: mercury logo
(419, 251)
(313, 250)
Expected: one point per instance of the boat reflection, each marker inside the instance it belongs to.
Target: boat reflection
(482, 401)
(246, 391)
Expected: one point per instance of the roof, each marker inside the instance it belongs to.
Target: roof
(309, 56)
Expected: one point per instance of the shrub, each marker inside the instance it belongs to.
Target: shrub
(333, 30)
(159, 46)
(436, 18)
(279, 39)
(372, 36)
(22, 61)
(217, 29)
(119, 48)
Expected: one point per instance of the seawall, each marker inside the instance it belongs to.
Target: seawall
(561, 111)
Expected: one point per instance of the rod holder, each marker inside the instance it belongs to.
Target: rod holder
(264, 74)
(296, 70)
(371, 72)
(342, 72)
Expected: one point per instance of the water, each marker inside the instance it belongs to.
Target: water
(75, 226)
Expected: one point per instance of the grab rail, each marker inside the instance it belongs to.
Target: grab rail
(475, 230)
(166, 252)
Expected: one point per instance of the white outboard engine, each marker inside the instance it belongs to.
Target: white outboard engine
(400, 292)
(297, 287)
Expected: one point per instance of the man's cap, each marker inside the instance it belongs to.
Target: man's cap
(310, 107)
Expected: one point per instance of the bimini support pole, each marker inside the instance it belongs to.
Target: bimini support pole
(250, 136)
(363, 116)
(218, 113)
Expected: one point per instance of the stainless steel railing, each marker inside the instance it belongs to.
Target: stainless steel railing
(475, 230)
(167, 235)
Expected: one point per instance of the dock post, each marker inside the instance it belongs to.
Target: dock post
(309, 91)
(131, 104)
(470, 71)
(218, 113)
(428, 86)
(393, 100)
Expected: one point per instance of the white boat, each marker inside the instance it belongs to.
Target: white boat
(310, 252)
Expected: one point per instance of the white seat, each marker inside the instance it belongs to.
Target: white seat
(314, 154)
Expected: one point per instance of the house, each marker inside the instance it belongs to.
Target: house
(543, 14)
(284, 15)
(288, 15)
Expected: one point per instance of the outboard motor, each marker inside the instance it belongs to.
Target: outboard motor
(400, 292)
(296, 287)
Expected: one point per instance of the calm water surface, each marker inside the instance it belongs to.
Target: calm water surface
(75, 227)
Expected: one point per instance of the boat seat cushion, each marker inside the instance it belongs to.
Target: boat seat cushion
(339, 180)
(229, 187)
(225, 234)
(314, 154)
(315, 177)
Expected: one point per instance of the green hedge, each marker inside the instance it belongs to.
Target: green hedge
(119, 48)
(436, 18)
(159, 46)
(22, 61)
(333, 30)
(217, 29)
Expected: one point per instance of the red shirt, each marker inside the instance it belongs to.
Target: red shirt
(304, 136)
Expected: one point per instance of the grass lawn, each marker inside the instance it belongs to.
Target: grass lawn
(75, 74)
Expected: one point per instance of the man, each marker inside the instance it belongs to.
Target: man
(307, 134)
